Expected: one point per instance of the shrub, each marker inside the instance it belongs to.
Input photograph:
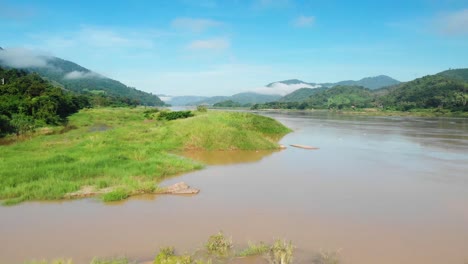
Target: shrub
(202, 108)
(218, 244)
(173, 115)
(281, 252)
(166, 256)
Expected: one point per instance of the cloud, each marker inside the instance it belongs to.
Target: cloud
(165, 98)
(23, 58)
(194, 24)
(453, 23)
(81, 75)
(283, 89)
(99, 37)
(210, 44)
(304, 21)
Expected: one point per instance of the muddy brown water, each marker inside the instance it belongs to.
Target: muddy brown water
(381, 190)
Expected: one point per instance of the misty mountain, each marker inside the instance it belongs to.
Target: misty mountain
(368, 82)
(291, 82)
(301, 94)
(241, 98)
(73, 77)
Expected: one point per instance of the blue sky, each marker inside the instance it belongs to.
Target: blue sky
(214, 47)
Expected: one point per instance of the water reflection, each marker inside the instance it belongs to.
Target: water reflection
(228, 157)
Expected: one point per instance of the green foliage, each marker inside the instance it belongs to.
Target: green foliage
(218, 244)
(115, 195)
(281, 252)
(151, 113)
(255, 250)
(111, 91)
(227, 103)
(434, 91)
(338, 97)
(202, 108)
(173, 115)
(457, 74)
(300, 95)
(27, 101)
(167, 256)
(444, 93)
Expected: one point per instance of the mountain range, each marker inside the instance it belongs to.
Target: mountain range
(299, 90)
(73, 77)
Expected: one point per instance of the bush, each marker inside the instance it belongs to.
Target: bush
(173, 115)
(166, 256)
(202, 108)
(218, 244)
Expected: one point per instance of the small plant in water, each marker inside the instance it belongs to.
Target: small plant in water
(219, 244)
(166, 255)
(281, 252)
(254, 250)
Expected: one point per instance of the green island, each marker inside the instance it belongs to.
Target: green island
(126, 149)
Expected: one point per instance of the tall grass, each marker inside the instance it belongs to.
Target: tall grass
(118, 147)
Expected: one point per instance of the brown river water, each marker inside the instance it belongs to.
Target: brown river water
(381, 190)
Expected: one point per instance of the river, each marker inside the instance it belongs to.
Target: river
(380, 190)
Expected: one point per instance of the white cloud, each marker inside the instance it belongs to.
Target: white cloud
(194, 24)
(98, 37)
(283, 89)
(165, 98)
(210, 44)
(453, 23)
(81, 75)
(23, 58)
(304, 21)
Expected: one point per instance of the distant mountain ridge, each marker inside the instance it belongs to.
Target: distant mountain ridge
(74, 77)
(291, 82)
(242, 98)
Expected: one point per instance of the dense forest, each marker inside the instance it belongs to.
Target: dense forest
(61, 72)
(446, 90)
(28, 101)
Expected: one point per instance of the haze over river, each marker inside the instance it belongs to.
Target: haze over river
(382, 190)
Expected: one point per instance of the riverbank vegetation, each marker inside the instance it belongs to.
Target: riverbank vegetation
(220, 249)
(123, 150)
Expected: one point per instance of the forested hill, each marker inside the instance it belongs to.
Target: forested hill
(27, 101)
(458, 74)
(301, 94)
(368, 82)
(74, 77)
(432, 91)
(429, 92)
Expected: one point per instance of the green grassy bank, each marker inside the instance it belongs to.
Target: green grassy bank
(121, 148)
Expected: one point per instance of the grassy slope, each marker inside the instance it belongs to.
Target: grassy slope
(132, 155)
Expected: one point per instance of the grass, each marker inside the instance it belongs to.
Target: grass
(254, 250)
(219, 249)
(118, 147)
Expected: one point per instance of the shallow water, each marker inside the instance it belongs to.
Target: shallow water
(379, 189)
